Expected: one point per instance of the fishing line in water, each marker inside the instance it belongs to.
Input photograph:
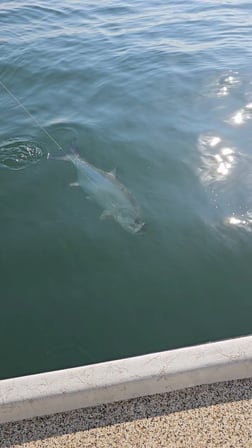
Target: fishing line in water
(29, 114)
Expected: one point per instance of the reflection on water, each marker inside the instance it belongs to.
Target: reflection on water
(241, 116)
(226, 164)
(217, 159)
(19, 153)
(227, 82)
(241, 221)
(226, 175)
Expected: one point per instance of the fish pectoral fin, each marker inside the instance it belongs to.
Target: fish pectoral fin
(74, 184)
(112, 173)
(105, 215)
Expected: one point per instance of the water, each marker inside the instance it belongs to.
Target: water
(161, 91)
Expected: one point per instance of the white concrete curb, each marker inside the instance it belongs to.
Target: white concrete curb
(64, 390)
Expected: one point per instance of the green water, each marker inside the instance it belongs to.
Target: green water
(161, 91)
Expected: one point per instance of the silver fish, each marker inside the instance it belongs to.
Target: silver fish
(110, 194)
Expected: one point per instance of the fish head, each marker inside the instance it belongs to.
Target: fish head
(131, 222)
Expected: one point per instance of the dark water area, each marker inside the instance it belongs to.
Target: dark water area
(161, 91)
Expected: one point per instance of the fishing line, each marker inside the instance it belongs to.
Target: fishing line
(29, 114)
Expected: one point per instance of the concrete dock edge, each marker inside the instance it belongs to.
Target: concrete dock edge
(65, 390)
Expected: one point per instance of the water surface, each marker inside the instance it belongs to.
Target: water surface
(162, 92)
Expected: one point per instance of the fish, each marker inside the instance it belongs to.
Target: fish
(108, 192)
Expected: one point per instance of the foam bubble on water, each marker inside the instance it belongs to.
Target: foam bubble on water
(19, 153)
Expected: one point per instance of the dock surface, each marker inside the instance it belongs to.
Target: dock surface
(215, 415)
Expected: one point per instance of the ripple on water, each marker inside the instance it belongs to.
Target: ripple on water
(19, 153)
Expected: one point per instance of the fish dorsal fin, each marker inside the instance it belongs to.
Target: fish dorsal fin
(112, 173)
